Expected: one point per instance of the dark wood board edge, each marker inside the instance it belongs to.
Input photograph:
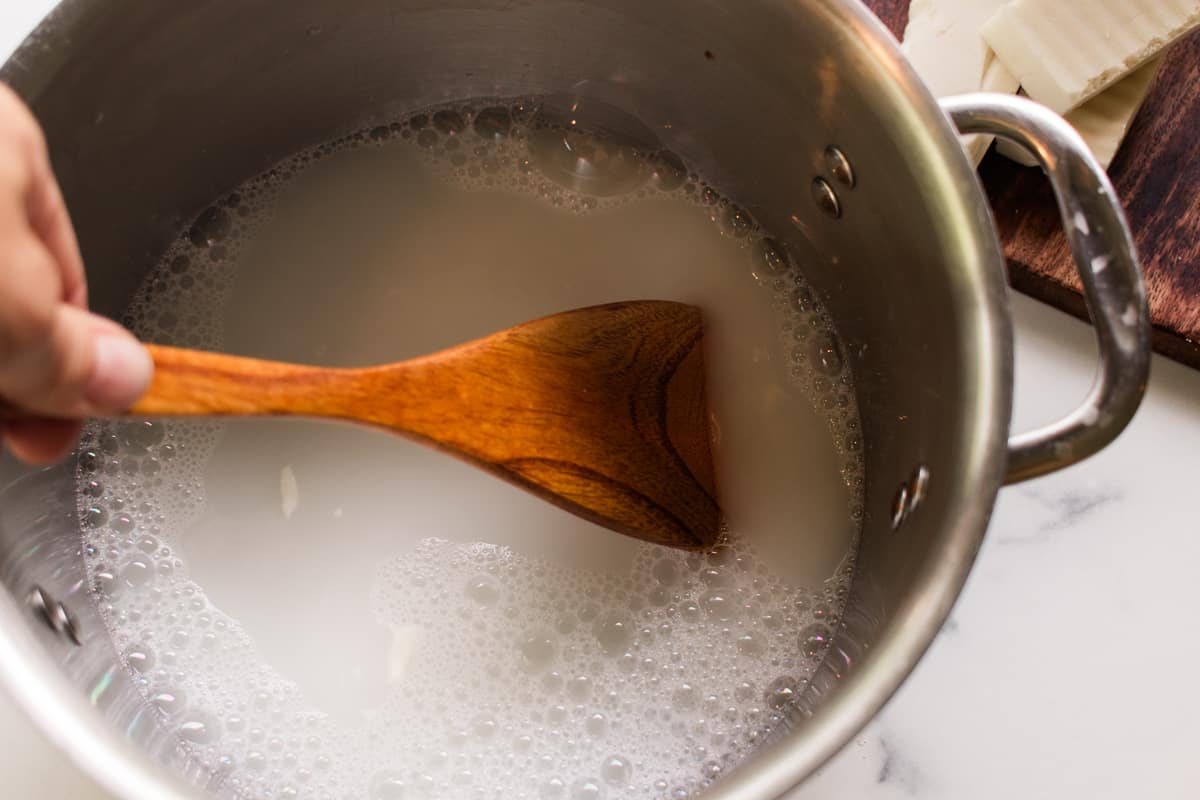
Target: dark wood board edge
(1064, 298)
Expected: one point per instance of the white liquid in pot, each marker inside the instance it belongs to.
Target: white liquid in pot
(330, 612)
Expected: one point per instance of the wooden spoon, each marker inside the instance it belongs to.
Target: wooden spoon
(600, 411)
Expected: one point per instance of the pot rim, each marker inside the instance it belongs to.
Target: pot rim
(972, 244)
(56, 707)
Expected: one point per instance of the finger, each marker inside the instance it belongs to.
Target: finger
(50, 221)
(84, 366)
(47, 213)
(41, 441)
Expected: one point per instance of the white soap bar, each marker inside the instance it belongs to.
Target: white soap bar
(942, 41)
(1065, 52)
(1104, 120)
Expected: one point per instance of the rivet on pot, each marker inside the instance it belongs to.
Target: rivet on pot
(54, 614)
(909, 496)
(839, 167)
(825, 198)
(900, 507)
(917, 485)
(66, 625)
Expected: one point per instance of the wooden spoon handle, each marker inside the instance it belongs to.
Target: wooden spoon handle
(193, 383)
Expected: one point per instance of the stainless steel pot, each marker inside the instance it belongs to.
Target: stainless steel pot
(152, 109)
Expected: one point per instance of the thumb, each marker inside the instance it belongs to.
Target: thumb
(121, 366)
(86, 365)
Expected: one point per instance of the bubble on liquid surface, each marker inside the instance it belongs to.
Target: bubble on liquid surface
(94, 516)
(449, 122)
(771, 256)
(211, 227)
(589, 165)
(538, 650)
(667, 171)
(712, 576)
(666, 571)
(781, 692)
(427, 138)
(720, 604)
(110, 444)
(169, 701)
(552, 788)
(751, 644)
(493, 123)
(613, 634)
(483, 589)
(814, 639)
(105, 581)
(737, 223)
(587, 789)
(596, 724)
(140, 658)
(579, 688)
(684, 697)
(137, 573)
(388, 785)
(91, 460)
(616, 771)
(198, 727)
(826, 353)
(801, 301)
(138, 436)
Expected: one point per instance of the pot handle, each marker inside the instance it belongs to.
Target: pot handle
(1107, 261)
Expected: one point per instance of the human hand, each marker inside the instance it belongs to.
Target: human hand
(57, 360)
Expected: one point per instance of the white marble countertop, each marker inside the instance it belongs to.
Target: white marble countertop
(1069, 667)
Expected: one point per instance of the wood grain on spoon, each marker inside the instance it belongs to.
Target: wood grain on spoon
(601, 410)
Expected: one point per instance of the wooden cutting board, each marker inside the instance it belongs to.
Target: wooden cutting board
(1156, 175)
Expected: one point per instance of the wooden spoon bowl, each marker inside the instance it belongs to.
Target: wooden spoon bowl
(601, 410)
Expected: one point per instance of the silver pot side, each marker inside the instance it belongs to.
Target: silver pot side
(153, 109)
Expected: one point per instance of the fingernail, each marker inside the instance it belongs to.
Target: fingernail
(121, 374)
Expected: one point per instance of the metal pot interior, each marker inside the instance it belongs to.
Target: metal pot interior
(152, 110)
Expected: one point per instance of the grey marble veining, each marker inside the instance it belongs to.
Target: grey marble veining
(1068, 667)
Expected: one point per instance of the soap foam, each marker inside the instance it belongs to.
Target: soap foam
(509, 675)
